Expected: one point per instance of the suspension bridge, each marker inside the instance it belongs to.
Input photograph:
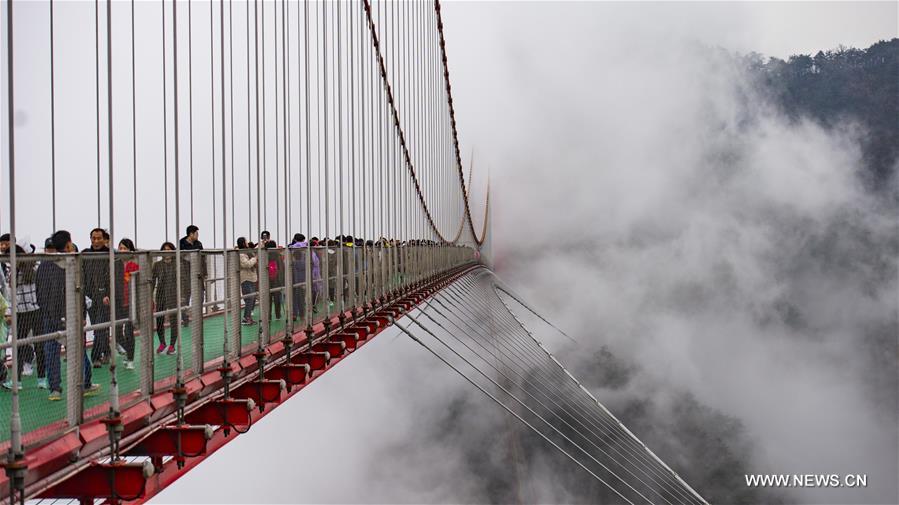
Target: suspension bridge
(314, 146)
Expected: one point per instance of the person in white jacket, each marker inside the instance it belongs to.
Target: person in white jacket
(248, 279)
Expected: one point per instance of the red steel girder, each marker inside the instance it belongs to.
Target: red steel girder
(164, 442)
(231, 412)
(315, 360)
(119, 481)
(335, 349)
(260, 391)
(293, 374)
(349, 340)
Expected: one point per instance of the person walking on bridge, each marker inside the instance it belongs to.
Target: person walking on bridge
(4, 251)
(27, 316)
(275, 275)
(191, 242)
(248, 279)
(95, 271)
(50, 289)
(124, 268)
(164, 282)
(299, 273)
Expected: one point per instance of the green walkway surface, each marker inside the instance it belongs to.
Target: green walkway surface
(37, 411)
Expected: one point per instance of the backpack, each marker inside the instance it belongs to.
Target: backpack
(272, 270)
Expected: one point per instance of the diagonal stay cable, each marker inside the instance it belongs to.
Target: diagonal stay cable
(612, 424)
(584, 419)
(504, 406)
(670, 471)
(518, 299)
(528, 408)
(584, 416)
(525, 381)
(629, 436)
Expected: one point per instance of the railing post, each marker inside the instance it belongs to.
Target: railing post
(287, 294)
(211, 288)
(382, 253)
(366, 281)
(265, 299)
(394, 270)
(406, 265)
(196, 311)
(144, 301)
(350, 275)
(385, 273)
(390, 271)
(374, 275)
(410, 255)
(430, 269)
(400, 268)
(338, 288)
(308, 286)
(326, 283)
(74, 341)
(410, 269)
(232, 265)
(414, 253)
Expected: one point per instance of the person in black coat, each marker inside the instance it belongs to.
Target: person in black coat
(95, 271)
(189, 243)
(164, 282)
(50, 289)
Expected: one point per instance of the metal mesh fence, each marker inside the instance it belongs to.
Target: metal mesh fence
(125, 330)
(169, 312)
(215, 325)
(300, 272)
(248, 275)
(48, 331)
(171, 291)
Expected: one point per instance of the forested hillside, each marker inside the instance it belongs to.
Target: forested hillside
(841, 84)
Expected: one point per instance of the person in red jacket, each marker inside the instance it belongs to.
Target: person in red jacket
(124, 268)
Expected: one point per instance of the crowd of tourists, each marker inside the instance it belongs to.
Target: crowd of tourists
(40, 301)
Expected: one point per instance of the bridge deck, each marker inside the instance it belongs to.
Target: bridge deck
(38, 412)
